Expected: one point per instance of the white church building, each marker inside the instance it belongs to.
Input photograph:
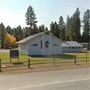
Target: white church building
(44, 43)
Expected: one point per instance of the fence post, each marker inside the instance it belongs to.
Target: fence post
(86, 57)
(53, 61)
(0, 66)
(75, 60)
(29, 63)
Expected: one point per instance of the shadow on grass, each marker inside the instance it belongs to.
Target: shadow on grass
(62, 56)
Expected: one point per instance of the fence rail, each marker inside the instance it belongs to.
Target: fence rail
(53, 60)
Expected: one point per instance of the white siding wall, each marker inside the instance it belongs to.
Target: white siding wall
(56, 46)
(47, 50)
(33, 46)
(71, 49)
(23, 48)
(35, 49)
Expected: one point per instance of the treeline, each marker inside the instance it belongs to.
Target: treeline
(72, 28)
(19, 33)
(69, 30)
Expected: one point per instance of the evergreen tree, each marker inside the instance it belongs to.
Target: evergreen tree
(67, 30)
(30, 17)
(26, 31)
(41, 28)
(2, 34)
(76, 25)
(46, 29)
(34, 30)
(18, 33)
(73, 27)
(54, 29)
(58, 29)
(61, 27)
(9, 30)
(70, 33)
(86, 27)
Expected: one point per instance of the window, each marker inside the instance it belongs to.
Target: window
(46, 44)
(41, 43)
(34, 44)
(55, 44)
(72, 47)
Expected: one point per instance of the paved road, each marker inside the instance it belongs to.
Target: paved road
(79, 84)
(70, 79)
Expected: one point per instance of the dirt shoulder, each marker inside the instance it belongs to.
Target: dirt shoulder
(42, 67)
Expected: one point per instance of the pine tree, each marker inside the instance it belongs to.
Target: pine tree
(67, 30)
(18, 33)
(34, 30)
(73, 26)
(9, 30)
(26, 31)
(86, 27)
(2, 35)
(41, 28)
(61, 27)
(52, 25)
(30, 17)
(54, 29)
(76, 25)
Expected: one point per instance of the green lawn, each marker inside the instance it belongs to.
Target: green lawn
(5, 58)
(68, 57)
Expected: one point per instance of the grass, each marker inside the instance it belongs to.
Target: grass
(68, 57)
(5, 58)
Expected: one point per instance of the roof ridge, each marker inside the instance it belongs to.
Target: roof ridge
(31, 36)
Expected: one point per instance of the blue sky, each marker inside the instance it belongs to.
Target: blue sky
(12, 12)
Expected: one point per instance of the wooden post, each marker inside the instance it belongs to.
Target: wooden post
(53, 61)
(0, 66)
(86, 57)
(10, 60)
(29, 63)
(18, 59)
(75, 60)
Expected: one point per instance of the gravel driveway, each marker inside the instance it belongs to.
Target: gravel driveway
(4, 50)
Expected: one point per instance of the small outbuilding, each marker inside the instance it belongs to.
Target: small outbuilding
(86, 46)
(44, 43)
(71, 46)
